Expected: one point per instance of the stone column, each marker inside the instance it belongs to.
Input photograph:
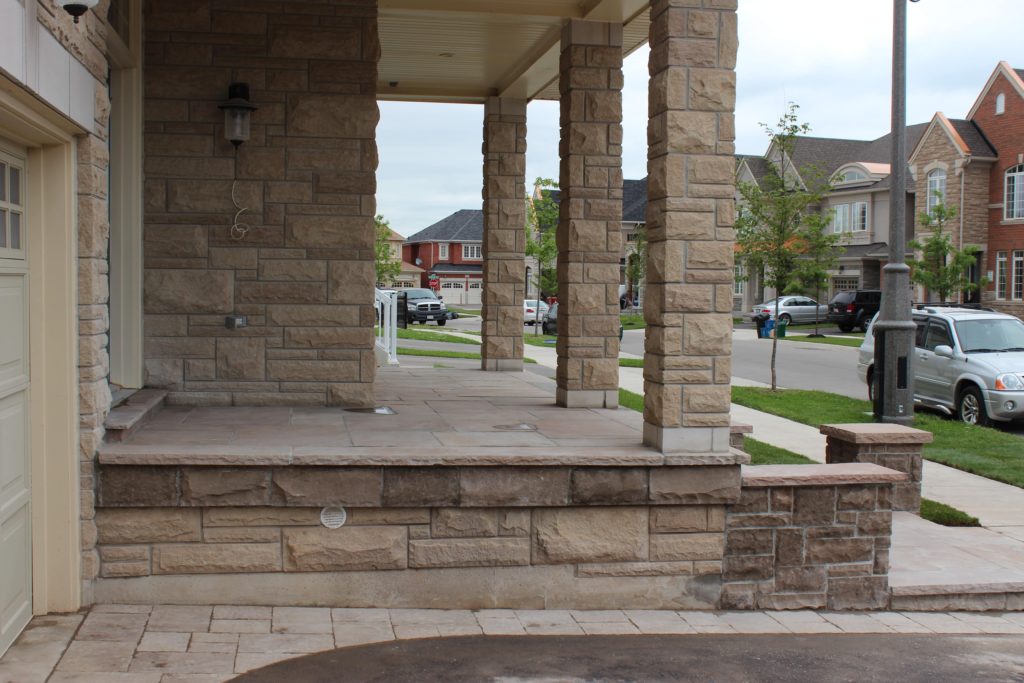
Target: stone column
(590, 215)
(504, 234)
(690, 226)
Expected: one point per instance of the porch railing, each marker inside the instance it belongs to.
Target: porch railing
(386, 342)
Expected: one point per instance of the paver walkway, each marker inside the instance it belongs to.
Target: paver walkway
(203, 644)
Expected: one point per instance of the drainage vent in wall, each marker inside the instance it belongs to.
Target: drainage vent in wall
(521, 427)
(380, 410)
(333, 517)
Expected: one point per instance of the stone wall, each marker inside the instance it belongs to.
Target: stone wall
(810, 536)
(303, 271)
(470, 537)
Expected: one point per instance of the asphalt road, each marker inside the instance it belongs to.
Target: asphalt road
(621, 659)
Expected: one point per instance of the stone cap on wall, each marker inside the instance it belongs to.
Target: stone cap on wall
(320, 456)
(872, 432)
(758, 476)
(740, 428)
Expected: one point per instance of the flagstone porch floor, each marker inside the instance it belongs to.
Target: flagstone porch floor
(441, 416)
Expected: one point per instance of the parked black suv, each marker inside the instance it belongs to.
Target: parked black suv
(854, 308)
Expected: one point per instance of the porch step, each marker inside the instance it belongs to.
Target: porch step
(127, 418)
(978, 597)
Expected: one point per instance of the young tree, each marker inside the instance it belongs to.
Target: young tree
(775, 212)
(819, 253)
(636, 264)
(541, 228)
(388, 267)
(942, 268)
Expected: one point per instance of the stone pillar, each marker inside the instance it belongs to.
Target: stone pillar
(590, 215)
(504, 233)
(690, 233)
(889, 445)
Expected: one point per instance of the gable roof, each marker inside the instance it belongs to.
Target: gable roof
(757, 165)
(634, 201)
(966, 136)
(394, 236)
(465, 225)
(1014, 76)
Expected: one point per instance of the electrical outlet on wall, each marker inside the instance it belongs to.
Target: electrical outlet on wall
(234, 322)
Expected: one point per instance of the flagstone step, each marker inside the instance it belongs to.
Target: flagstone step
(133, 413)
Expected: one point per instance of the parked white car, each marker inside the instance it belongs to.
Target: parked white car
(530, 312)
(792, 309)
(966, 362)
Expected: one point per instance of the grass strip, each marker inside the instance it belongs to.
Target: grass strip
(984, 451)
(545, 340)
(946, 515)
(405, 351)
(631, 362)
(632, 322)
(424, 335)
(835, 341)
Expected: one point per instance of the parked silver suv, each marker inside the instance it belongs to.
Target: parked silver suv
(968, 362)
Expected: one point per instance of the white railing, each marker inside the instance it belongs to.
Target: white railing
(386, 342)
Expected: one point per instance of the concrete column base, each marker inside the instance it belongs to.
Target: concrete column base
(587, 398)
(502, 364)
(687, 439)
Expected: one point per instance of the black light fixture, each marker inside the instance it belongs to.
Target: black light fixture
(237, 113)
(77, 8)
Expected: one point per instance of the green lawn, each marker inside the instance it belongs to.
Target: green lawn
(631, 362)
(430, 335)
(404, 351)
(464, 311)
(632, 321)
(545, 340)
(984, 451)
(835, 341)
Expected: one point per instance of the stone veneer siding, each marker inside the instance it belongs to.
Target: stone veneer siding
(790, 545)
(304, 272)
(430, 536)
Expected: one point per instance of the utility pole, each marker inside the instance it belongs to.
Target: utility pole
(894, 330)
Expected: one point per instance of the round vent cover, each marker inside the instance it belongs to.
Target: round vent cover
(333, 517)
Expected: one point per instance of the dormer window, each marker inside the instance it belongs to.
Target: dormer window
(1000, 103)
(852, 175)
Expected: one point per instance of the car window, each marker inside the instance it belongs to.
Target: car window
(922, 325)
(998, 334)
(938, 335)
(843, 297)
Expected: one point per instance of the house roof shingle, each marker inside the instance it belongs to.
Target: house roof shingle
(634, 201)
(758, 166)
(974, 138)
(465, 225)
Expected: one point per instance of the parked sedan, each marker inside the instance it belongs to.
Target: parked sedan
(530, 312)
(792, 309)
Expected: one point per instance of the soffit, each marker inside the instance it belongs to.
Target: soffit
(468, 50)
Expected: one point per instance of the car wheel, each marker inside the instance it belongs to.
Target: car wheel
(872, 386)
(970, 407)
(845, 328)
(863, 325)
(786, 318)
(441, 322)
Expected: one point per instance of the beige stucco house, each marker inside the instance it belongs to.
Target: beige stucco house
(137, 234)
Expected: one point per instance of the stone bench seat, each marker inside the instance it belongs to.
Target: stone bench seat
(762, 476)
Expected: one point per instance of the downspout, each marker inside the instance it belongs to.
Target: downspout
(963, 174)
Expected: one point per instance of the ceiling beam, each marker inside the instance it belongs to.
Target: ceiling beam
(426, 92)
(523, 8)
(540, 67)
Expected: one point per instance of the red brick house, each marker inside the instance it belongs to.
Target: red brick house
(450, 252)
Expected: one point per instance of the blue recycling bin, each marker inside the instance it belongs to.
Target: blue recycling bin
(766, 331)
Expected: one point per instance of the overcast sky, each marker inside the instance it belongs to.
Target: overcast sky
(831, 57)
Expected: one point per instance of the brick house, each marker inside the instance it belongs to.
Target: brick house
(978, 164)
(450, 254)
(410, 274)
(157, 450)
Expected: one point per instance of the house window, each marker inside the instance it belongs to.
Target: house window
(1000, 103)
(1001, 275)
(471, 252)
(451, 284)
(12, 208)
(739, 282)
(442, 252)
(841, 218)
(860, 216)
(1013, 194)
(936, 189)
(1018, 275)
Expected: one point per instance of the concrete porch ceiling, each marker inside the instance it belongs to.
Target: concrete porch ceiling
(468, 50)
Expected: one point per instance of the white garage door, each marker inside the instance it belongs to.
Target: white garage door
(453, 291)
(473, 294)
(15, 519)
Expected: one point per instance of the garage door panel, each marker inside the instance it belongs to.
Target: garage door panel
(13, 332)
(15, 575)
(14, 463)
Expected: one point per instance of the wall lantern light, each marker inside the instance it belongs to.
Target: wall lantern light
(237, 113)
(77, 8)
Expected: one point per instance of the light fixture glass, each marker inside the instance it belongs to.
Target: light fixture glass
(77, 8)
(237, 113)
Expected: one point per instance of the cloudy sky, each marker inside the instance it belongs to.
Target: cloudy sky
(829, 56)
